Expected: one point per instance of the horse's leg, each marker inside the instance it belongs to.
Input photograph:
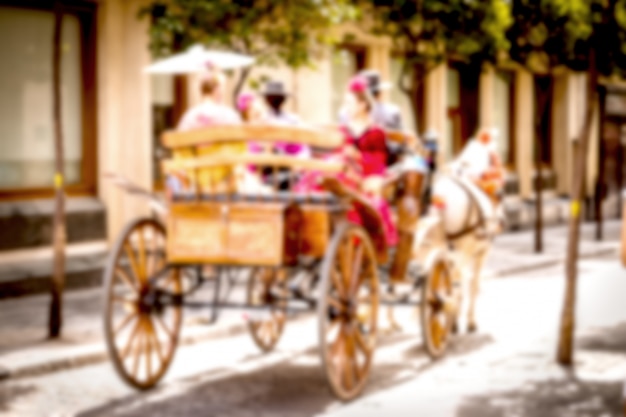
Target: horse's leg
(391, 318)
(393, 323)
(458, 283)
(474, 289)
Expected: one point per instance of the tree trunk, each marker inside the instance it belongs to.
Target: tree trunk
(565, 351)
(538, 193)
(542, 98)
(243, 76)
(600, 183)
(58, 231)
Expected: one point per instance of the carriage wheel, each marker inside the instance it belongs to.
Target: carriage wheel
(348, 310)
(437, 318)
(141, 331)
(267, 287)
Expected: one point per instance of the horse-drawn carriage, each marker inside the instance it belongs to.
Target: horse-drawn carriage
(297, 251)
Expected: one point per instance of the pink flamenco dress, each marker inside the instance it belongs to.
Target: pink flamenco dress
(372, 147)
(370, 161)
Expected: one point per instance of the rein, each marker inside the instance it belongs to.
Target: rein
(469, 228)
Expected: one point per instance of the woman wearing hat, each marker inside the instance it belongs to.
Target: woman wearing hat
(364, 154)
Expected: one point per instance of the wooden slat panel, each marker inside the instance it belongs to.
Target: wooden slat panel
(255, 233)
(209, 161)
(315, 231)
(322, 138)
(226, 233)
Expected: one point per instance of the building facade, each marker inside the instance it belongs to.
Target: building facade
(113, 111)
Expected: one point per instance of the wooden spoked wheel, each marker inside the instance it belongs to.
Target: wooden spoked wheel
(348, 310)
(142, 320)
(436, 312)
(267, 287)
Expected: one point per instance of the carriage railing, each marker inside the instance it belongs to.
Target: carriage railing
(217, 162)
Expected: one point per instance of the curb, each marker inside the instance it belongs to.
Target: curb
(545, 264)
(95, 353)
(80, 356)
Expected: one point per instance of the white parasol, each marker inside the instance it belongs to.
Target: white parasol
(196, 59)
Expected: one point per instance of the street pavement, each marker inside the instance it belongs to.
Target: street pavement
(506, 369)
(23, 320)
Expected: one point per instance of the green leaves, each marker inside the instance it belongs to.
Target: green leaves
(289, 31)
(565, 32)
(433, 29)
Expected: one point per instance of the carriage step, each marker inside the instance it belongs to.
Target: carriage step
(29, 271)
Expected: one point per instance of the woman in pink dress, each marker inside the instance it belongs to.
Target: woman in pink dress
(365, 144)
(364, 154)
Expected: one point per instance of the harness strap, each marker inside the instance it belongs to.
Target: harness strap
(469, 228)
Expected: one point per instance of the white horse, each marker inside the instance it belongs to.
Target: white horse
(460, 218)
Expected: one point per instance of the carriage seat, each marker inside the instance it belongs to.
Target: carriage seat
(318, 198)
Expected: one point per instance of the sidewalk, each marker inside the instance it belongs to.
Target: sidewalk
(24, 350)
(513, 252)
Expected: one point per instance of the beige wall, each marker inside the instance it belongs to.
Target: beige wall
(124, 119)
(486, 97)
(563, 130)
(524, 113)
(124, 115)
(568, 115)
(437, 108)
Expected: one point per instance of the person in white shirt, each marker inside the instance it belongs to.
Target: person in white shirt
(210, 111)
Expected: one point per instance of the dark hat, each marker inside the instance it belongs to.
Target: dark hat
(374, 83)
(274, 88)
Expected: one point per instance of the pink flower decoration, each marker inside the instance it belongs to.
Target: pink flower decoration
(244, 101)
(357, 84)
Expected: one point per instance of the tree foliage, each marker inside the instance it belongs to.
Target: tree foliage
(582, 35)
(429, 31)
(274, 31)
(570, 33)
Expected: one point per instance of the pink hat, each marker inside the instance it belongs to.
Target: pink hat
(357, 84)
(244, 101)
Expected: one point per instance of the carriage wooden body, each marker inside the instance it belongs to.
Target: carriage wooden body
(273, 237)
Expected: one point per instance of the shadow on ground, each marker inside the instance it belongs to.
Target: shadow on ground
(611, 339)
(554, 398)
(295, 387)
(9, 393)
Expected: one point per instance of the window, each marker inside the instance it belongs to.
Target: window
(543, 94)
(169, 102)
(26, 122)
(462, 106)
(346, 62)
(503, 114)
(400, 98)
(453, 124)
